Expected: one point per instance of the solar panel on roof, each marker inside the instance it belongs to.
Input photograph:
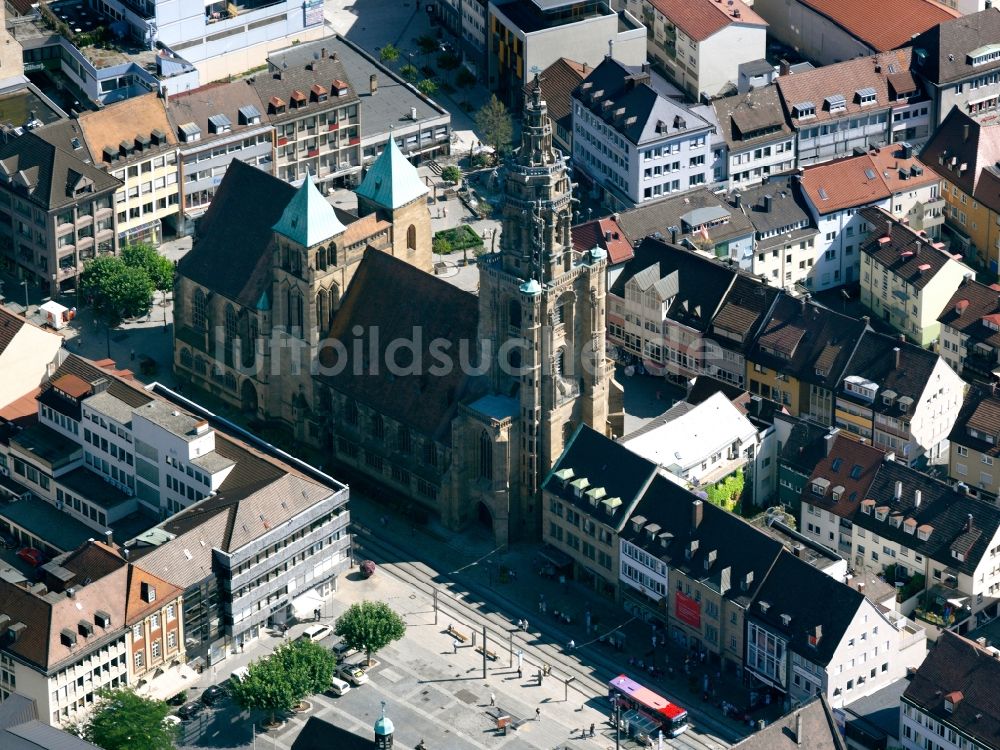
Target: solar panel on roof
(870, 174)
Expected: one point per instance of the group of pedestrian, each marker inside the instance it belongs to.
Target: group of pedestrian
(522, 625)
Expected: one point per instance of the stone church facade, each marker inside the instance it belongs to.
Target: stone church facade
(527, 354)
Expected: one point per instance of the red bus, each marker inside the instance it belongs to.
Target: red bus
(630, 695)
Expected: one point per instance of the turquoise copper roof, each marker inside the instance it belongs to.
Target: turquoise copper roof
(384, 727)
(392, 181)
(308, 219)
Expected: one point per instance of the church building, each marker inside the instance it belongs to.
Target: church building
(453, 404)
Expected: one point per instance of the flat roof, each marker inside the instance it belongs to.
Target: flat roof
(112, 407)
(170, 418)
(47, 444)
(91, 487)
(20, 106)
(42, 520)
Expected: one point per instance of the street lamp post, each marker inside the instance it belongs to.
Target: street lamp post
(618, 724)
(25, 285)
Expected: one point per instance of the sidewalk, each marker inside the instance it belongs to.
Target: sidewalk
(452, 554)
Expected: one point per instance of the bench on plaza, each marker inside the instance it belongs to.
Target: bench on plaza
(491, 655)
(458, 636)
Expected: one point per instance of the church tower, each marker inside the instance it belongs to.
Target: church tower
(542, 315)
(393, 191)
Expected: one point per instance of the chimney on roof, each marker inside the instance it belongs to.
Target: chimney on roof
(888, 228)
(828, 441)
(968, 523)
(895, 351)
(109, 537)
(784, 67)
(697, 509)
(798, 728)
(673, 235)
(373, 84)
(607, 235)
(965, 133)
(767, 203)
(737, 199)
(322, 53)
(898, 492)
(918, 496)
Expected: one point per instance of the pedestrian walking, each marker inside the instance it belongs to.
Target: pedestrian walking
(538, 714)
(493, 699)
(520, 624)
(572, 645)
(519, 675)
(524, 626)
(454, 646)
(591, 729)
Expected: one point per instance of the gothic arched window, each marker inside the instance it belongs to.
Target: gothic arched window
(321, 259)
(322, 310)
(485, 455)
(411, 237)
(199, 316)
(378, 426)
(230, 324)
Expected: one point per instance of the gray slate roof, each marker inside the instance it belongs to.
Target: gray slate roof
(48, 176)
(20, 729)
(946, 47)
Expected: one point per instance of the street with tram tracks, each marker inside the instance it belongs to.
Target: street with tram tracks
(583, 672)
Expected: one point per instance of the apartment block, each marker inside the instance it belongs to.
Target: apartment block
(970, 331)
(757, 139)
(974, 444)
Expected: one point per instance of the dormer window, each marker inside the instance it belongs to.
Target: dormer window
(148, 593)
(318, 93)
(219, 124)
(340, 87)
(924, 532)
(866, 96)
(838, 492)
(276, 105)
(836, 103)
(866, 508)
(804, 110)
(881, 513)
(189, 132)
(820, 486)
(249, 115)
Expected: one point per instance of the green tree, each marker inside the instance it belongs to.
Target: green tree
(448, 61)
(427, 87)
(267, 686)
(117, 291)
(369, 627)
(427, 44)
(493, 121)
(308, 665)
(451, 173)
(159, 269)
(123, 720)
(726, 494)
(389, 53)
(410, 73)
(442, 246)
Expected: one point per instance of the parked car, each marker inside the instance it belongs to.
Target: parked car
(338, 686)
(8, 541)
(316, 633)
(31, 555)
(341, 650)
(353, 673)
(189, 710)
(212, 695)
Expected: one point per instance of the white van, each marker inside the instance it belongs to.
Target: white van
(316, 632)
(338, 686)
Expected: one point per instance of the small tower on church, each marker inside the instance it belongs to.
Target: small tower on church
(393, 191)
(383, 731)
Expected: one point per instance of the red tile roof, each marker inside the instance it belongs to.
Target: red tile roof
(883, 26)
(604, 233)
(699, 19)
(72, 385)
(856, 465)
(860, 180)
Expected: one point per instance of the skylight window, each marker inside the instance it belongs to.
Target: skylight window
(822, 194)
(870, 174)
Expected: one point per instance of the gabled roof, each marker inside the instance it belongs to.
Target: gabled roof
(882, 26)
(227, 98)
(702, 284)
(943, 510)
(943, 53)
(850, 467)
(656, 217)
(908, 254)
(558, 82)
(807, 341)
(980, 412)
(964, 151)
(308, 219)
(700, 19)
(623, 97)
(905, 373)
(48, 176)
(122, 121)
(605, 465)
(830, 605)
(295, 79)
(418, 300)
(20, 728)
(965, 674)
(856, 181)
(606, 234)
(231, 252)
(819, 726)
(727, 546)
(746, 120)
(136, 607)
(778, 212)
(743, 313)
(392, 181)
(969, 305)
(843, 79)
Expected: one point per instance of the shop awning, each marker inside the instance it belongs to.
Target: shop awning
(554, 556)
